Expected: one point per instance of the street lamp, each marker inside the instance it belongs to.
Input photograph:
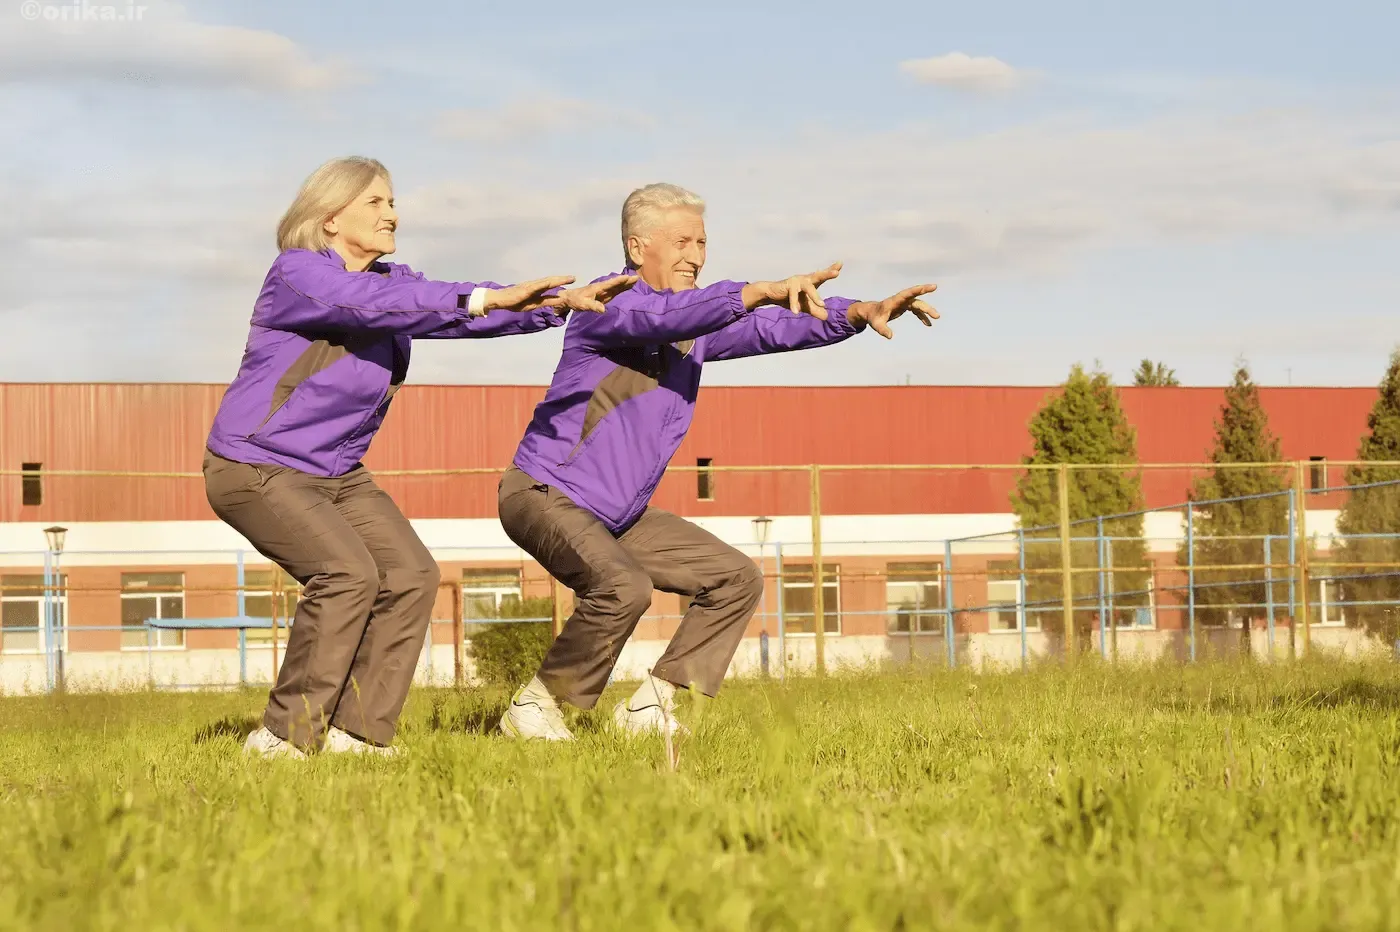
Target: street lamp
(56, 536)
(761, 526)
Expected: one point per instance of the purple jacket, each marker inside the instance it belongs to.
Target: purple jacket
(624, 393)
(327, 351)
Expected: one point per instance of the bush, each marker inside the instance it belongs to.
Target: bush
(509, 653)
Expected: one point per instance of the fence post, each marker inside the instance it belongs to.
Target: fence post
(276, 604)
(1269, 593)
(48, 626)
(782, 613)
(1066, 571)
(1022, 611)
(948, 630)
(1112, 607)
(457, 634)
(1303, 558)
(1292, 575)
(242, 632)
(1103, 593)
(1191, 577)
(818, 572)
(557, 609)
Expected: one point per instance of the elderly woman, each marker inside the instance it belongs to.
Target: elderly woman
(328, 348)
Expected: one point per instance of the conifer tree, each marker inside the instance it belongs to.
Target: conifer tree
(1231, 533)
(1374, 510)
(1151, 373)
(1082, 423)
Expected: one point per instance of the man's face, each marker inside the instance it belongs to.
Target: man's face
(671, 254)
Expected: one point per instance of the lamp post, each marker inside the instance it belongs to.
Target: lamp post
(761, 526)
(55, 537)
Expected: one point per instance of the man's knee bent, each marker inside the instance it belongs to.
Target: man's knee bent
(749, 581)
(421, 579)
(623, 593)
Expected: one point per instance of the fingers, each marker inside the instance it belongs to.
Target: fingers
(925, 312)
(815, 304)
(535, 286)
(612, 287)
(909, 294)
(880, 324)
(826, 274)
(794, 289)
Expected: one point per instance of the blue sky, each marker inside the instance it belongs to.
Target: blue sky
(1194, 182)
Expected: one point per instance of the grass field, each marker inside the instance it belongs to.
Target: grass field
(1222, 797)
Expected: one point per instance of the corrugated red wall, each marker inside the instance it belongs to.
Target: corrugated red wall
(161, 427)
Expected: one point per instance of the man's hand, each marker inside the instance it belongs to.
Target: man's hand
(526, 296)
(798, 292)
(878, 314)
(592, 297)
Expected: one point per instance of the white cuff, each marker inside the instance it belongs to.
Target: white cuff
(476, 304)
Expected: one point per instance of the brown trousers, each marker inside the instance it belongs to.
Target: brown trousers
(369, 587)
(613, 578)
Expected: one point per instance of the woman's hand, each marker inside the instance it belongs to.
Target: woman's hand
(592, 297)
(526, 296)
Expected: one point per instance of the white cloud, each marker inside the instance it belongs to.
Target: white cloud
(527, 119)
(964, 72)
(164, 47)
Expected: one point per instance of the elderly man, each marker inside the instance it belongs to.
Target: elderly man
(620, 404)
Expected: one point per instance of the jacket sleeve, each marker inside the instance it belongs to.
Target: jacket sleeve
(637, 318)
(497, 323)
(311, 295)
(774, 329)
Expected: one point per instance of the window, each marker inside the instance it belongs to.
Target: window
(22, 612)
(1318, 472)
(1006, 600)
(705, 480)
(913, 597)
(31, 484)
(152, 595)
(1331, 608)
(486, 591)
(798, 599)
(259, 598)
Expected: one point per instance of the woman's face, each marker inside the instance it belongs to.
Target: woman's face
(364, 230)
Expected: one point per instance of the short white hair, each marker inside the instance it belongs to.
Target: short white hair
(643, 207)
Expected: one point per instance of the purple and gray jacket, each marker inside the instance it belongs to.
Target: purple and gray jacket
(623, 395)
(327, 351)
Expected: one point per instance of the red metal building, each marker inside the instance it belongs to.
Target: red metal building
(48, 428)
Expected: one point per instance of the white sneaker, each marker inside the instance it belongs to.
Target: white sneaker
(533, 714)
(263, 743)
(339, 741)
(650, 720)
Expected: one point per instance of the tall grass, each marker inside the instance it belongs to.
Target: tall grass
(1213, 797)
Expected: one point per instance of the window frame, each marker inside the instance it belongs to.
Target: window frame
(792, 578)
(930, 573)
(60, 599)
(159, 641)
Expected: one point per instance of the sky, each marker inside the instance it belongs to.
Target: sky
(1200, 182)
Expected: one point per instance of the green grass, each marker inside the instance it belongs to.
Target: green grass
(1214, 797)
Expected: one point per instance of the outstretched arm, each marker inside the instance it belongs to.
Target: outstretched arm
(771, 330)
(642, 316)
(305, 292)
(778, 330)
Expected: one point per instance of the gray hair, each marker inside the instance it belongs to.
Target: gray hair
(330, 189)
(641, 209)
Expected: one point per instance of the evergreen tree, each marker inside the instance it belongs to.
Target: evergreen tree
(1230, 533)
(1374, 511)
(1154, 373)
(1083, 423)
